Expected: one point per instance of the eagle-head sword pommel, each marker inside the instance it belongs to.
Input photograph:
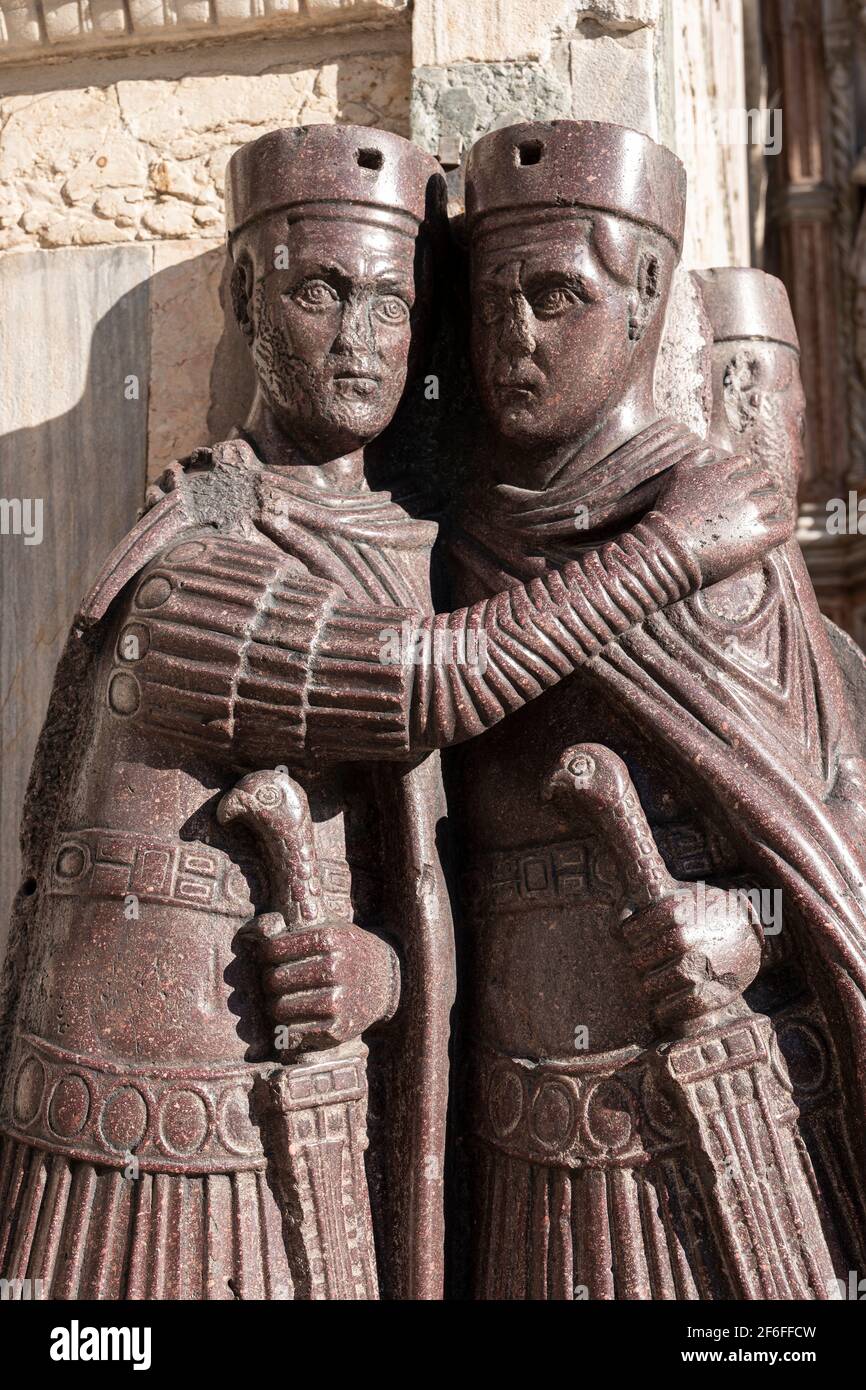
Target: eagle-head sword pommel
(275, 808)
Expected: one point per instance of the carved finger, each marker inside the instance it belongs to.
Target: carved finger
(653, 922)
(263, 928)
(310, 973)
(740, 471)
(296, 946)
(689, 971)
(654, 952)
(312, 1006)
(693, 1002)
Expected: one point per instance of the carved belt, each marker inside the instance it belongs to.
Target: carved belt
(601, 1111)
(170, 1119)
(189, 1119)
(541, 876)
(607, 1109)
(185, 874)
(581, 870)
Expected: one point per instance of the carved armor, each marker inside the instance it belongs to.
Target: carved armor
(225, 1015)
(726, 708)
(145, 1067)
(581, 1161)
(586, 1184)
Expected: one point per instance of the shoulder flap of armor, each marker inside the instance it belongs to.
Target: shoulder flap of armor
(212, 486)
(154, 530)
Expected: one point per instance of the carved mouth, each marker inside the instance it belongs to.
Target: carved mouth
(520, 390)
(356, 378)
(357, 383)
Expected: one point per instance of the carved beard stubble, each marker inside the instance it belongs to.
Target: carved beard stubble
(301, 390)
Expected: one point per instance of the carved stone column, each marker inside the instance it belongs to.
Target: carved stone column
(812, 242)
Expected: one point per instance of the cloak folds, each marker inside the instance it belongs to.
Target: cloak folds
(376, 553)
(767, 749)
(787, 830)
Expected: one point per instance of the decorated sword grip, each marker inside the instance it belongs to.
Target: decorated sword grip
(591, 777)
(275, 808)
(315, 1104)
(688, 994)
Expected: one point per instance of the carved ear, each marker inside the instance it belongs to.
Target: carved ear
(644, 303)
(741, 394)
(242, 295)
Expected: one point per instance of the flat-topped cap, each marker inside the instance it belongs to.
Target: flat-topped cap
(328, 170)
(741, 302)
(574, 164)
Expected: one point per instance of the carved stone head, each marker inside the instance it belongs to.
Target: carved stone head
(575, 228)
(330, 230)
(758, 400)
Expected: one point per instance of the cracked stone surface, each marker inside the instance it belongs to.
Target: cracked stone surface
(589, 71)
(468, 99)
(445, 32)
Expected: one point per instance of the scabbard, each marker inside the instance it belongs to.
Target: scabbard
(314, 1112)
(312, 1108)
(754, 1176)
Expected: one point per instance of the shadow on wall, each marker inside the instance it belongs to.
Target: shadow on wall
(232, 376)
(114, 348)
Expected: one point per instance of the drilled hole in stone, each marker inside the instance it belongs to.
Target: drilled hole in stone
(370, 159)
(529, 152)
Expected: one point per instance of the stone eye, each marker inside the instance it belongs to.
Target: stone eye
(391, 309)
(315, 294)
(555, 300)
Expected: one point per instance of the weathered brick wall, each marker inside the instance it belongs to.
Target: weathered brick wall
(128, 147)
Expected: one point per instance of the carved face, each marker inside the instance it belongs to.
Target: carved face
(328, 309)
(556, 314)
(759, 405)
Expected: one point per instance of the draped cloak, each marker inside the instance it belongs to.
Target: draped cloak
(764, 731)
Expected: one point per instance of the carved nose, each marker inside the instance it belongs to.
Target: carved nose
(356, 332)
(517, 335)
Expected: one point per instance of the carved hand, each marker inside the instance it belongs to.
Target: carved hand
(328, 983)
(695, 951)
(729, 512)
(694, 948)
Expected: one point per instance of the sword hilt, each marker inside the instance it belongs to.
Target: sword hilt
(275, 808)
(319, 1163)
(591, 777)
